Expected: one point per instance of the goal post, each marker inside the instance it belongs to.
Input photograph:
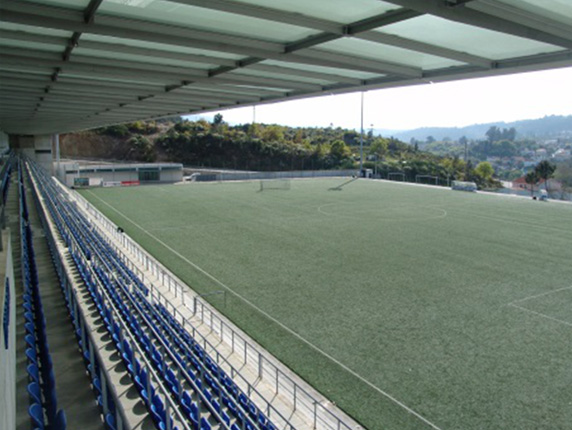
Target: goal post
(274, 184)
(427, 179)
(392, 175)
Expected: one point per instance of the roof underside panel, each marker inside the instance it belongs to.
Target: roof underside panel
(70, 64)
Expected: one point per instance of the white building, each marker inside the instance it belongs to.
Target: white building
(75, 174)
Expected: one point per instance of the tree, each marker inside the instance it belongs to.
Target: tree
(545, 170)
(485, 170)
(339, 150)
(378, 147)
(273, 133)
(509, 134)
(217, 120)
(493, 134)
(504, 148)
(531, 179)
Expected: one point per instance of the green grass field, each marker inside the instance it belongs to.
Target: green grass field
(457, 305)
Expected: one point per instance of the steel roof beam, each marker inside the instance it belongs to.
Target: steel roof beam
(80, 63)
(413, 45)
(332, 30)
(115, 48)
(470, 16)
(266, 13)
(60, 18)
(520, 16)
(208, 94)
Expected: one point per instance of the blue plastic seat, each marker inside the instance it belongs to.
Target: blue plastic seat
(36, 416)
(110, 422)
(51, 402)
(157, 414)
(30, 327)
(29, 317)
(141, 380)
(225, 417)
(205, 425)
(35, 393)
(30, 341)
(32, 356)
(33, 373)
(134, 367)
(216, 405)
(60, 422)
(127, 352)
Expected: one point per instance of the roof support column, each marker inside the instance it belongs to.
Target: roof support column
(38, 148)
(56, 146)
(361, 172)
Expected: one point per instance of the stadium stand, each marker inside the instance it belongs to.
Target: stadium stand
(43, 408)
(178, 382)
(125, 357)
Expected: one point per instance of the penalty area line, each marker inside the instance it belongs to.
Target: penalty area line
(270, 317)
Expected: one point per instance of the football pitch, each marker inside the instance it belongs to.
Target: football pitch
(409, 307)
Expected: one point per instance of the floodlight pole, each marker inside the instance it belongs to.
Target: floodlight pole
(361, 140)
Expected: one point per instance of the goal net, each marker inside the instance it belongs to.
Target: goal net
(427, 179)
(393, 176)
(274, 184)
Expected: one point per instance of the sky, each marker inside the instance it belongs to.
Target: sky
(450, 104)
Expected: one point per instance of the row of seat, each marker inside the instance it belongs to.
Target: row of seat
(172, 350)
(43, 408)
(6, 314)
(205, 369)
(94, 367)
(5, 175)
(157, 406)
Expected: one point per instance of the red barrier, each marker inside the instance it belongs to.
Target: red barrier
(129, 183)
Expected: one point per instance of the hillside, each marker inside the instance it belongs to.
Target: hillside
(549, 127)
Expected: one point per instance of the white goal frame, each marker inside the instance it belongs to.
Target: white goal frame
(390, 174)
(275, 184)
(417, 177)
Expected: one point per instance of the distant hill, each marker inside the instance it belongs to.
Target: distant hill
(543, 128)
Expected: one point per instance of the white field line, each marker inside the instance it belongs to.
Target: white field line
(541, 314)
(540, 295)
(270, 317)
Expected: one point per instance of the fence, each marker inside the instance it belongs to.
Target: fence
(297, 392)
(253, 176)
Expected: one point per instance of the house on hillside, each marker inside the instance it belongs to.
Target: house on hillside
(540, 154)
(561, 154)
(555, 190)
